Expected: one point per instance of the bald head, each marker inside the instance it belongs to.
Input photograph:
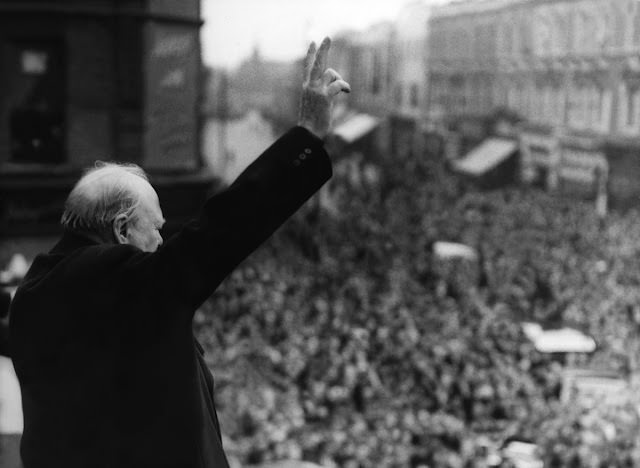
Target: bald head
(115, 202)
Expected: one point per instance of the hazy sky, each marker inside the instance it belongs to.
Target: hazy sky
(281, 28)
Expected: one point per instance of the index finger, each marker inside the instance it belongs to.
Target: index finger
(308, 60)
(321, 60)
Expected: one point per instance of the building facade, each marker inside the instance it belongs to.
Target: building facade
(364, 59)
(388, 67)
(82, 81)
(569, 68)
(371, 68)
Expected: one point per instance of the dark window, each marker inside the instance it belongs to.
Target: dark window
(377, 74)
(35, 100)
(631, 106)
(414, 95)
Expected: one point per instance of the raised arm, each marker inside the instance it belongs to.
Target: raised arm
(236, 221)
(320, 86)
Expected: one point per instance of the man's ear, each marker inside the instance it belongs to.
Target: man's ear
(120, 229)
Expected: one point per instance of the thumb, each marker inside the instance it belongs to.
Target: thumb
(337, 87)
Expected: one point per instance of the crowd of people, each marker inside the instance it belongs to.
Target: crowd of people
(346, 341)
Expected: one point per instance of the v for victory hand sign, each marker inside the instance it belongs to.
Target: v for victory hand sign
(320, 86)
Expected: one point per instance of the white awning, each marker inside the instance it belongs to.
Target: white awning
(486, 156)
(563, 340)
(523, 454)
(355, 127)
(453, 250)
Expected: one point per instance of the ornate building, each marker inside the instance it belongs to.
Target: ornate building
(570, 69)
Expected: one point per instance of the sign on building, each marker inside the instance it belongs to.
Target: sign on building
(540, 158)
(591, 387)
(170, 139)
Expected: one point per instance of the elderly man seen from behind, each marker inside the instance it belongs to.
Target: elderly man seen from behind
(115, 201)
(101, 327)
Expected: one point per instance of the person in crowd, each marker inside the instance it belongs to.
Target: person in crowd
(101, 327)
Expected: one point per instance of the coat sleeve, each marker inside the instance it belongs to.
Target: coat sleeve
(236, 221)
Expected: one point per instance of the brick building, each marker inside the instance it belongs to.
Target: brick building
(96, 80)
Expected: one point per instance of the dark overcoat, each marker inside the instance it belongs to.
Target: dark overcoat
(101, 334)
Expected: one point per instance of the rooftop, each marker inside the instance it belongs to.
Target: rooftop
(463, 7)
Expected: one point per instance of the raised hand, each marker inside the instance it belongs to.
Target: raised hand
(320, 86)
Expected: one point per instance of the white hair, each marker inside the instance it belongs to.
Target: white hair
(102, 193)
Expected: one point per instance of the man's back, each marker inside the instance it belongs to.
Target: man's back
(101, 373)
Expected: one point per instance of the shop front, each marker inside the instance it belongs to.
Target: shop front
(583, 166)
(540, 157)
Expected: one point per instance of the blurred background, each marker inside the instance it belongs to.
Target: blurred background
(463, 293)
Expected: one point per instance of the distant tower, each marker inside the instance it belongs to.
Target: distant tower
(256, 55)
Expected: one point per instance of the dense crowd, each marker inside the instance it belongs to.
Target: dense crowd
(345, 341)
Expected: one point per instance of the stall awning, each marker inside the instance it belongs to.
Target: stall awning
(563, 340)
(523, 454)
(355, 127)
(486, 156)
(443, 249)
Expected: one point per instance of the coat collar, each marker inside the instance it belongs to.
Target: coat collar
(71, 241)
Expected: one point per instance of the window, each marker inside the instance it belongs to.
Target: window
(595, 107)
(512, 98)
(479, 47)
(464, 49)
(632, 107)
(534, 102)
(636, 27)
(559, 106)
(398, 95)
(619, 27)
(543, 36)
(35, 107)
(582, 32)
(604, 121)
(470, 95)
(506, 39)
(414, 95)
(376, 78)
(500, 94)
(577, 106)
(560, 35)
(547, 104)
(486, 95)
(629, 98)
(584, 99)
(571, 32)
